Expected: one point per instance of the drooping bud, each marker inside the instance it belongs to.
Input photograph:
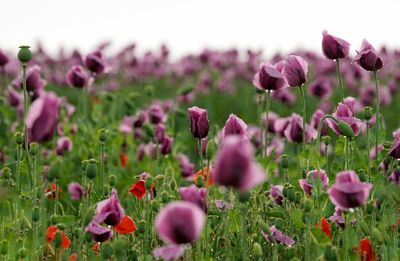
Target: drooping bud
(345, 129)
(257, 250)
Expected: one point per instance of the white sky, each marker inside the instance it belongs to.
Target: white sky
(188, 25)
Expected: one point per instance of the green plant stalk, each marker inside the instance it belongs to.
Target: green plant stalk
(26, 145)
(339, 75)
(17, 172)
(244, 231)
(267, 107)
(200, 156)
(368, 157)
(102, 148)
(377, 116)
(56, 206)
(304, 110)
(207, 200)
(318, 142)
(346, 145)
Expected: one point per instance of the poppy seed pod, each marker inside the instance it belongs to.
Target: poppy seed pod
(333, 47)
(19, 138)
(103, 134)
(24, 54)
(367, 113)
(91, 169)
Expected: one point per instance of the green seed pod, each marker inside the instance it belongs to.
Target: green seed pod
(154, 205)
(284, 161)
(244, 196)
(91, 169)
(103, 134)
(307, 205)
(6, 172)
(326, 140)
(24, 54)
(106, 251)
(172, 185)
(4, 247)
(148, 130)
(362, 175)
(286, 188)
(164, 197)
(35, 214)
(34, 148)
(376, 233)
(367, 113)
(119, 246)
(346, 130)
(112, 179)
(148, 183)
(200, 181)
(57, 240)
(257, 250)
(160, 178)
(149, 90)
(19, 138)
(211, 149)
(330, 253)
(291, 195)
(141, 227)
(22, 252)
(364, 227)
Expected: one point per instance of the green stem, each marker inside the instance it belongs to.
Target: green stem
(377, 116)
(368, 157)
(18, 170)
(339, 75)
(267, 106)
(201, 156)
(346, 145)
(26, 145)
(56, 193)
(244, 232)
(318, 142)
(102, 169)
(303, 100)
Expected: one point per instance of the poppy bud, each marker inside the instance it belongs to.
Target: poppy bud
(376, 233)
(367, 113)
(19, 138)
(112, 179)
(264, 226)
(164, 197)
(244, 196)
(57, 240)
(200, 181)
(6, 172)
(286, 188)
(330, 253)
(24, 54)
(91, 169)
(345, 129)
(119, 246)
(103, 134)
(284, 161)
(148, 130)
(106, 251)
(172, 185)
(291, 195)
(307, 205)
(257, 250)
(361, 175)
(160, 178)
(34, 148)
(326, 140)
(76, 232)
(35, 214)
(154, 205)
(141, 227)
(211, 150)
(148, 183)
(88, 216)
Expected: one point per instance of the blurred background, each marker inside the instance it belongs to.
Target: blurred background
(189, 26)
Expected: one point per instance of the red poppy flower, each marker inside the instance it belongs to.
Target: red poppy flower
(126, 225)
(73, 257)
(325, 227)
(367, 253)
(205, 174)
(95, 248)
(51, 190)
(138, 189)
(124, 159)
(51, 235)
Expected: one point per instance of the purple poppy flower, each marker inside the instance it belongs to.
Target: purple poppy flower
(294, 130)
(269, 78)
(198, 119)
(194, 195)
(109, 210)
(345, 112)
(170, 252)
(75, 190)
(3, 58)
(42, 117)
(278, 236)
(15, 99)
(368, 96)
(156, 114)
(284, 96)
(95, 62)
(276, 147)
(395, 177)
(368, 58)
(160, 132)
(272, 117)
(126, 125)
(34, 81)
(320, 88)
(316, 119)
(235, 126)
(63, 144)
(295, 70)
(312, 177)
(348, 191)
(77, 77)
(166, 145)
(222, 205)
(99, 233)
(235, 165)
(139, 119)
(275, 194)
(186, 168)
(395, 149)
(337, 217)
(180, 222)
(333, 47)
(146, 149)
(372, 152)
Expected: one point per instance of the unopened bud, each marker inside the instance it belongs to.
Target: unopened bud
(103, 134)
(19, 138)
(367, 113)
(346, 130)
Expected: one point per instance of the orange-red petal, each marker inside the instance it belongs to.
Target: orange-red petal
(126, 225)
(51, 233)
(95, 248)
(65, 242)
(206, 175)
(138, 189)
(124, 159)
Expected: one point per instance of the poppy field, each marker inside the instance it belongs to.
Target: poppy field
(215, 155)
